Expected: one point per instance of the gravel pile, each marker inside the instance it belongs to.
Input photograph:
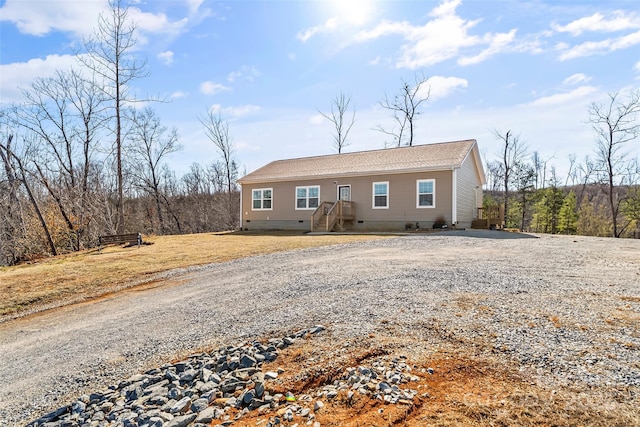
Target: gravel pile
(564, 310)
(219, 388)
(195, 391)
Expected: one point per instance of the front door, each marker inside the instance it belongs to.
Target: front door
(344, 193)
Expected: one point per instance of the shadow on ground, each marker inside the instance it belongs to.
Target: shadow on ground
(485, 234)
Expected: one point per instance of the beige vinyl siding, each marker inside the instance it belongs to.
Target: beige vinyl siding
(402, 198)
(402, 202)
(467, 181)
(400, 167)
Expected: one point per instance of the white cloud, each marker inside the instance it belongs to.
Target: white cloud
(155, 23)
(242, 110)
(68, 16)
(244, 73)
(445, 36)
(385, 28)
(178, 94)
(637, 67)
(194, 5)
(581, 92)
(22, 74)
(347, 14)
(440, 87)
(576, 79)
(601, 47)
(497, 44)
(166, 57)
(316, 119)
(211, 88)
(235, 112)
(446, 8)
(615, 21)
(43, 17)
(331, 24)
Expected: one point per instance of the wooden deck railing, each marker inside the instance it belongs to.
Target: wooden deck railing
(319, 214)
(347, 210)
(328, 214)
(332, 216)
(494, 215)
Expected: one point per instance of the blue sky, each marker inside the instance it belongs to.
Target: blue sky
(268, 66)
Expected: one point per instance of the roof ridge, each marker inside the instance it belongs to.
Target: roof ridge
(434, 156)
(374, 150)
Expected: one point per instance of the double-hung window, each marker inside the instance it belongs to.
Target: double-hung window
(308, 197)
(380, 195)
(262, 199)
(426, 193)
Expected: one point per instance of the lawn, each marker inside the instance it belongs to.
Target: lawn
(89, 274)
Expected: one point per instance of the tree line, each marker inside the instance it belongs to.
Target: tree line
(84, 156)
(600, 195)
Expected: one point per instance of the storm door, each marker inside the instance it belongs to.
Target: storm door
(344, 193)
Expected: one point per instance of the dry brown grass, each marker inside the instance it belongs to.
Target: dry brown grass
(88, 274)
(556, 321)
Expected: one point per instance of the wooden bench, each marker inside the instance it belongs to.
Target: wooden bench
(131, 238)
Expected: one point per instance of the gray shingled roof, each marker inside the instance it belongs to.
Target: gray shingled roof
(440, 156)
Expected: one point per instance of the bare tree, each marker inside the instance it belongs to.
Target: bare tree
(110, 54)
(168, 192)
(572, 174)
(65, 114)
(9, 205)
(615, 124)
(537, 167)
(195, 182)
(494, 173)
(217, 130)
(525, 176)
(405, 108)
(540, 167)
(554, 200)
(151, 143)
(584, 172)
(512, 154)
(342, 124)
(17, 169)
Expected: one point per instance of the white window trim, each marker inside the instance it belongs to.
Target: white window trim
(262, 199)
(418, 206)
(373, 195)
(295, 199)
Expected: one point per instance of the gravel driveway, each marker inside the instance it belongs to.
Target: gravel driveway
(565, 309)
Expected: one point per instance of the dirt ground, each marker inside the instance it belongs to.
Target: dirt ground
(464, 389)
(472, 306)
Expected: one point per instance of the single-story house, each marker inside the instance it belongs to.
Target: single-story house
(388, 189)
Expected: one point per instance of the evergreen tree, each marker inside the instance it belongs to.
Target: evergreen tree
(631, 208)
(593, 219)
(568, 217)
(546, 214)
(541, 220)
(525, 185)
(555, 199)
